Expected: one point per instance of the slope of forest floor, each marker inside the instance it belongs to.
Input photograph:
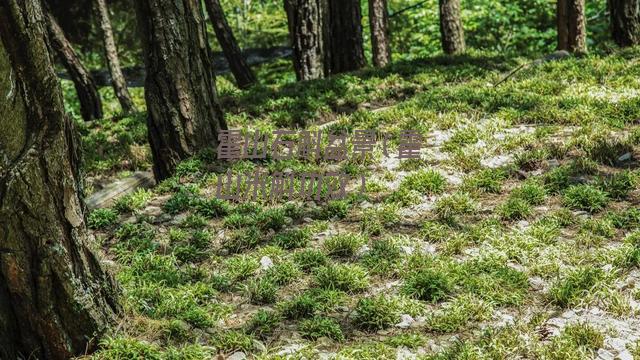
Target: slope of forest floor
(516, 235)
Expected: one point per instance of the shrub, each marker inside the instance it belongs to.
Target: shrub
(426, 182)
(302, 306)
(585, 197)
(212, 208)
(531, 192)
(514, 209)
(318, 327)
(283, 273)
(263, 323)
(375, 313)
(619, 185)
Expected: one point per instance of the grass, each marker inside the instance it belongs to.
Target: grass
(452, 239)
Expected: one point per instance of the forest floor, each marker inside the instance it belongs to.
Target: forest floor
(516, 235)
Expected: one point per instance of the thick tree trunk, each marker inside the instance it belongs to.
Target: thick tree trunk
(184, 115)
(237, 63)
(344, 44)
(305, 31)
(55, 299)
(625, 22)
(379, 24)
(111, 52)
(451, 30)
(90, 103)
(572, 26)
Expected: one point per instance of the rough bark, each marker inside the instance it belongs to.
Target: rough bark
(55, 299)
(625, 22)
(379, 24)
(239, 68)
(305, 31)
(572, 26)
(451, 30)
(184, 115)
(344, 44)
(111, 53)
(90, 103)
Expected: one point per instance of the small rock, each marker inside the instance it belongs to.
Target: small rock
(536, 283)
(265, 263)
(153, 211)
(625, 355)
(617, 344)
(407, 249)
(624, 157)
(307, 220)
(238, 355)
(363, 250)
(553, 163)
(605, 355)
(405, 354)
(405, 321)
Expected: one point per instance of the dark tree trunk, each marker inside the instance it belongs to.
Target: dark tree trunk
(344, 44)
(90, 104)
(55, 299)
(451, 30)
(184, 116)
(237, 63)
(305, 31)
(625, 22)
(572, 26)
(379, 23)
(111, 52)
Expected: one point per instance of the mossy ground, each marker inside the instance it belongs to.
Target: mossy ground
(515, 235)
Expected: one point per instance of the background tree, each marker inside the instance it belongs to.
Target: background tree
(54, 296)
(305, 20)
(111, 53)
(572, 26)
(451, 30)
(343, 37)
(88, 96)
(241, 71)
(625, 22)
(379, 24)
(184, 116)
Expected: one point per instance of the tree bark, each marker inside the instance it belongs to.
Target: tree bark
(111, 53)
(572, 26)
(90, 103)
(451, 30)
(625, 22)
(55, 298)
(239, 68)
(184, 115)
(344, 44)
(305, 31)
(379, 24)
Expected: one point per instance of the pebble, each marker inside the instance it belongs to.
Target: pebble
(624, 157)
(265, 263)
(291, 349)
(605, 355)
(238, 355)
(405, 321)
(402, 353)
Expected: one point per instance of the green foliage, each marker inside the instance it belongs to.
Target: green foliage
(514, 209)
(575, 285)
(263, 323)
(292, 238)
(619, 185)
(349, 278)
(449, 207)
(318, 327)
(426, 182)
(283, 273)
(375, 313)
(344, 245)
(102, 218)
(261, 291)
(428, 285)
(486, 180)
(531, 192)
(310, 259)
(585, 197)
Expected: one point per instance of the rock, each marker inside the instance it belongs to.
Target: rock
(405, 321)
(605, 355)
(407, 249)
(617, 344)
(553, 163)
(265, 263)
(536, 283)
(326, 355)
(363, 250)
(624, 157)
(307, 220)
(178, 219)
(402, 353)
(625, 355)
(290, 349)
(496, 161)
(152, 211)
(238, 355)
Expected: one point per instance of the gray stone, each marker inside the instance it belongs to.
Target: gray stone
(238, 355)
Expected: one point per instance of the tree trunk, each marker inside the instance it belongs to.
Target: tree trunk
(184, 116)
(55, 299)
(305, 31)
(625, 22)
(572, 26)
(111, 52)
(379, 23)
(90, 103)
(451, 30)
(237, 63)
(344, 44)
